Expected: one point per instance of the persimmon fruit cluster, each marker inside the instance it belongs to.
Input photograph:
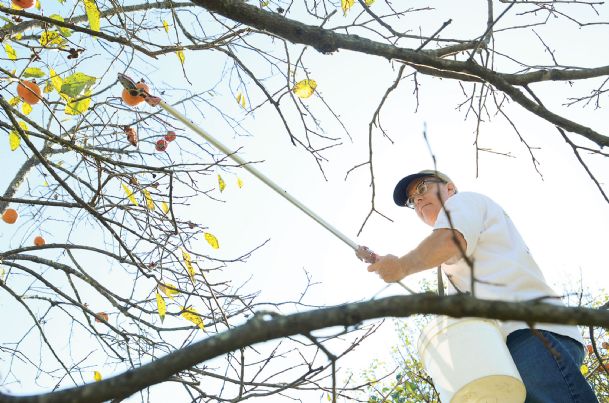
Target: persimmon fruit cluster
(29, 91)
(39, 241)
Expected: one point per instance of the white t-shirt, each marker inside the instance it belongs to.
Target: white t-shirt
(503, 265)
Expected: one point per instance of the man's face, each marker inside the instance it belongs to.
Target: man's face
(428, 195)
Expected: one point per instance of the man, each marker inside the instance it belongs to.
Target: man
(472, 234)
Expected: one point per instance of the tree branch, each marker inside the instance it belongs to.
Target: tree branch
(263, 328)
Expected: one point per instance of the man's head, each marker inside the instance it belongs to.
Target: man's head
(425, 192)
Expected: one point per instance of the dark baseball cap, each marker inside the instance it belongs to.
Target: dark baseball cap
(399, 193)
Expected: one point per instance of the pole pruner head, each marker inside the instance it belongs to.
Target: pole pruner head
(130, 85)
(127, 82)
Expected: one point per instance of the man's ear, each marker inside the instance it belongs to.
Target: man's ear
(452, 189)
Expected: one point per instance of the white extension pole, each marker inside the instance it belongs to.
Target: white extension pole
(232, 155)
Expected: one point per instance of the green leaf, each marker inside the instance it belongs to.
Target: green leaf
(66, 32)
(79, 107)
(33, 72)
(75, 84)
(92, 14)
(10, 52)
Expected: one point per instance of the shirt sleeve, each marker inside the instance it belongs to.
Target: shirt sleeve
(466, 212)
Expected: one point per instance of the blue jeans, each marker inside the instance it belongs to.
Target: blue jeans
(550, 376)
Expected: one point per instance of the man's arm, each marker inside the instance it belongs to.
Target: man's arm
(439, 247)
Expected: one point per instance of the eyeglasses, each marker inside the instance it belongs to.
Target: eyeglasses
(420, 190)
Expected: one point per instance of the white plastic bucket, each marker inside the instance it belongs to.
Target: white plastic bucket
(469, 361)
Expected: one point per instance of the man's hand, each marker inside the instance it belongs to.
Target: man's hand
(364, 253)
(389, 268)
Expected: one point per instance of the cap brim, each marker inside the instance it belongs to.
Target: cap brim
(399, 193)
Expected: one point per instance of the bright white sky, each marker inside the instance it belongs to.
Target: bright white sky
(563, 217)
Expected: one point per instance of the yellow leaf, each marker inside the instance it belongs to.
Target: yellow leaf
(48, 38)
(10, 52)
(55, 80)
(38, 5)
(80, 106)
(188, 264)
(92, 14)
(369, 2)
(212, 240)
(241, 99)
(18, 36)
(129, 194)
(149, 202)
(584, 369)
(14, 140)
(24, 126)
(160, 304)
(304, 88)
(14, 101)
(221, 183)
(346, 5)
(165, 207)
(239, 183)
(181, 56)
(168, 289)
(45, 184)
(97, 376)
(166, 26)
(26, 108)
(191, 314)
(32, 72)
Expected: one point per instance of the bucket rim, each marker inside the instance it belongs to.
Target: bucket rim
(427, 334)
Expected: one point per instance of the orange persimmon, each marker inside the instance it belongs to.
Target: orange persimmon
(23, 3)
(29, 91)
(10, 216)
(133, 97)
